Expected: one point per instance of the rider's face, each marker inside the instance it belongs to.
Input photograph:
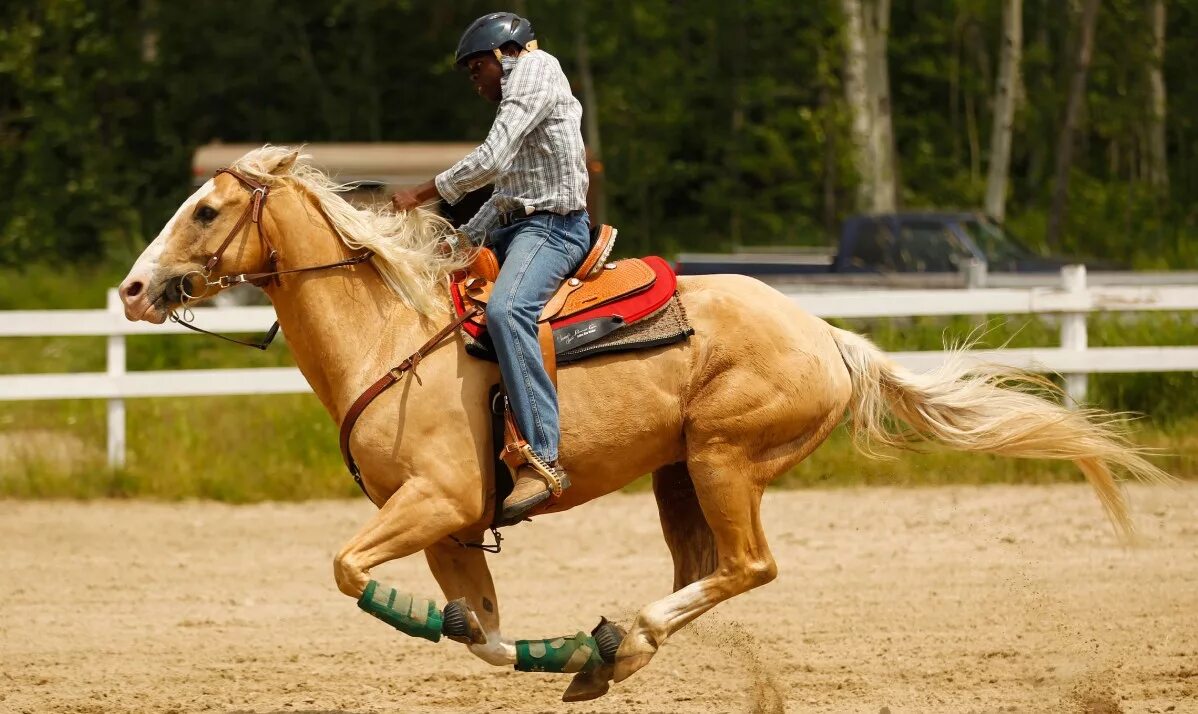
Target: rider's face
(485, 73)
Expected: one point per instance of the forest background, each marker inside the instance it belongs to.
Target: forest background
(718, 125)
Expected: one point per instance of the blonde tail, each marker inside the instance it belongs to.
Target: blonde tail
(989, 409)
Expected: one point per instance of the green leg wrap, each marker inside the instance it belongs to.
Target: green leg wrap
(577, 653)
(412, 616)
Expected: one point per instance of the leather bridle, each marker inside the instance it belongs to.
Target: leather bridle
(251, 215)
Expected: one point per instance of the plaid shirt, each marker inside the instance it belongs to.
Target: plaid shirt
(533, 154)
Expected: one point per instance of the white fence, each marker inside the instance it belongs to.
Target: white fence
(1073, 300)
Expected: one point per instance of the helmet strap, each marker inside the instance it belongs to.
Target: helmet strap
(530, 47)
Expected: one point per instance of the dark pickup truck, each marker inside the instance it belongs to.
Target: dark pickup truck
(893, 243)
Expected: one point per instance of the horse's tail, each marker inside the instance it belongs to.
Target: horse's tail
(990, 409)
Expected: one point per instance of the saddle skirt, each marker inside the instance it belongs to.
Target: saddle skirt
(599, 299)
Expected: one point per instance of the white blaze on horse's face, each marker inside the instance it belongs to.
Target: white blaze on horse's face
(169, 256)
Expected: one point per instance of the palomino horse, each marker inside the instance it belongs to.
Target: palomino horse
(756, 389)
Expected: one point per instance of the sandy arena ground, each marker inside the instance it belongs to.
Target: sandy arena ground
(955, 600)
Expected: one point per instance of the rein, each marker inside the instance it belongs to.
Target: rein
(251, 214)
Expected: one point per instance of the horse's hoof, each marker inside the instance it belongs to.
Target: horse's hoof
(589, 685)
(460, 624)
(635, 652)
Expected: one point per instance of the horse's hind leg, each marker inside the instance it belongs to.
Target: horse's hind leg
(463, 573)
(689, 538)
(730, 499)
(692, 547)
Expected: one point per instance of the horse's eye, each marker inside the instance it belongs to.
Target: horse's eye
(205, 214)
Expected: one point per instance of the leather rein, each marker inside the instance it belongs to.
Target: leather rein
(251, 215)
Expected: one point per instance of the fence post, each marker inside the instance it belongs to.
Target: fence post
(1073, 333)
(976, 276)
(976, 273)
(116, 407)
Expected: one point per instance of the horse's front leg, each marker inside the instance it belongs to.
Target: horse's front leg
(417, 516)
(465, 578)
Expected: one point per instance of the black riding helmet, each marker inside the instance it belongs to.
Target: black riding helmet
(490, 32)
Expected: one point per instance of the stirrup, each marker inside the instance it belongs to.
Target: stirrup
(518, 452)
(533, 504)
(543, 469)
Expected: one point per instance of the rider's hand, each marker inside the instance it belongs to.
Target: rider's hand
(453, 242)
(406, 200)
(409, 198)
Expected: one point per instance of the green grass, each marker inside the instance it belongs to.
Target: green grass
(48, 287)
(242, 449)
(837, 463)
(236, 449)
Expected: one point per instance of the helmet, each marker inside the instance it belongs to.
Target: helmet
(490, 32)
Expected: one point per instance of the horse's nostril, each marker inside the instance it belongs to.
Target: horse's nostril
(134, 288)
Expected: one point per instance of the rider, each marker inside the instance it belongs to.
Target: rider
(535, 220)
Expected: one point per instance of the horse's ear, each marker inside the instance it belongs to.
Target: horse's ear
(282, 163)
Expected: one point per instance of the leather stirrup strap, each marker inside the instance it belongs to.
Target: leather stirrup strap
(548, 350)
(384, 383)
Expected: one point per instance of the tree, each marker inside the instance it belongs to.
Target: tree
(1005, 97)
(590, 116)
(867, 89)
(763, 120)
(1158, 166)
(1073, 108)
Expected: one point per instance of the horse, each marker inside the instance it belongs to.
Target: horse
(757, 388)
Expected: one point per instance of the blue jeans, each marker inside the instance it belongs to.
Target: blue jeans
(536, 255)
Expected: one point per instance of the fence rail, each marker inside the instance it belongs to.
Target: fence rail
(1073, 300)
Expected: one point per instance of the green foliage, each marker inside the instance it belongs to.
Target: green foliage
(71, 121)
(723, 123)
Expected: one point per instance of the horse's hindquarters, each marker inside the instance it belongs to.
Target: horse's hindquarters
(768, 384)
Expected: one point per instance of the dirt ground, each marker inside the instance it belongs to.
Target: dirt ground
(959, 599)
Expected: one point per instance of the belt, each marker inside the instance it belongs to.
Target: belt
(507, 219)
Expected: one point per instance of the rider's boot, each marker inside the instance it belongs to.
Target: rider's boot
(532, 488)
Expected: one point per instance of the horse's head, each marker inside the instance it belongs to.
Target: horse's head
(186, 260)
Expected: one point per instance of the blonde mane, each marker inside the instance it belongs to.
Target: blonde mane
(405, 245)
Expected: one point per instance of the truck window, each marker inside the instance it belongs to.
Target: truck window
(999, 247)
(873, 248)
(927, 247)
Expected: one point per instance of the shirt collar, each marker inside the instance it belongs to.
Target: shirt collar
(508, 64)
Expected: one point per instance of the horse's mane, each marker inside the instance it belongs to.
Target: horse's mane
(404, 244)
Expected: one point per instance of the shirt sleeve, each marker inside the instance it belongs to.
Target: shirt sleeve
(478, 228)
(528, 97)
